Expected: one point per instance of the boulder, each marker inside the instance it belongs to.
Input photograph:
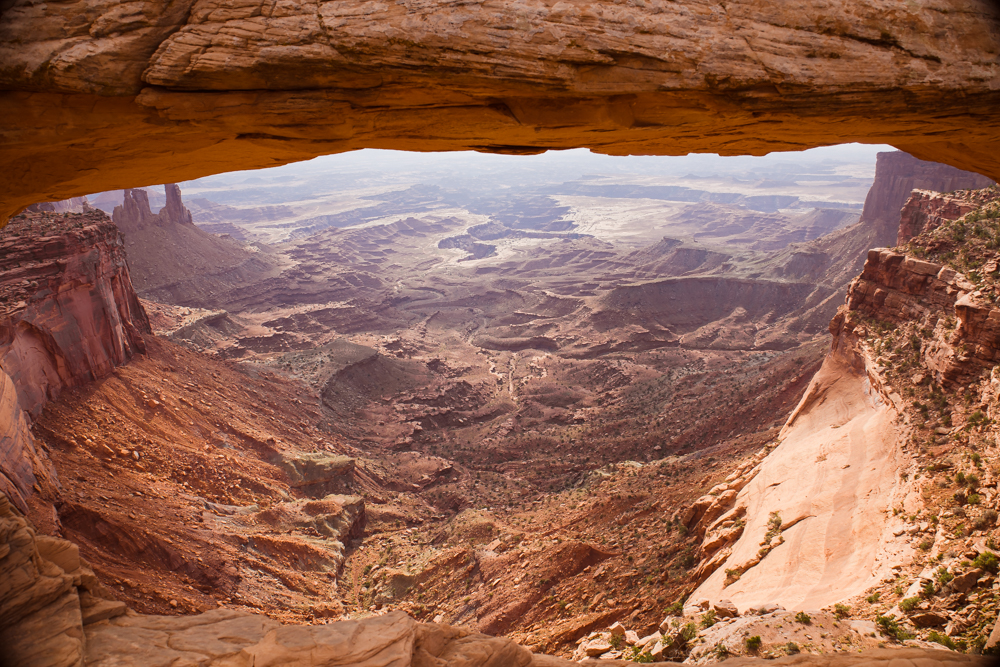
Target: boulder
(965, 582)
(725, 609)
(928, 619)
(318, 474)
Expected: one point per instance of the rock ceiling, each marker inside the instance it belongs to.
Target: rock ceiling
(99, 94)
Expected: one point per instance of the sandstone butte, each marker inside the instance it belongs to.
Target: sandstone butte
(98, 95)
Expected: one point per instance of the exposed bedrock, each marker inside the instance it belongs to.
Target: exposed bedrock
(55, 613)
(68, 316)
(101, 95)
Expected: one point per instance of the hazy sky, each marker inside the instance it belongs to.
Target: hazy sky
(554, 165)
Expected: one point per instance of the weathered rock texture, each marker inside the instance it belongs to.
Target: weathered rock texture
(925, 211)
(101, 95)
(174, 261)
(55, 613)
(897, 175)
(68, 315)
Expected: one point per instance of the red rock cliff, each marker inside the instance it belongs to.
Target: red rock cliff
(68, 315)
(897, 174)
(925, 211)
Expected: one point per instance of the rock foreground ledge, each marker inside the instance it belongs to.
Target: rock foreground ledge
(55, 613)
(99, 97)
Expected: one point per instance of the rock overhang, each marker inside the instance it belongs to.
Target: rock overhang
(100, 97)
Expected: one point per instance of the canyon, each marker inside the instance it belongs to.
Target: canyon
(604, 427)
(340, 437)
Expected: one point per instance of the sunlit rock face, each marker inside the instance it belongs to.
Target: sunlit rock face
(102, 95)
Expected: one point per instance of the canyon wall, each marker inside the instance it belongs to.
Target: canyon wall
(97, 97)
(822, 533)
(69, 316)
(898, 174)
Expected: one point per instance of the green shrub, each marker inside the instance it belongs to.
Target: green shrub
(803, 618)
(753, 643)
(687, 633)
(960, 478)
(909, 604)
(943, 640)
(943, 576)
(890, 627)
(925, 544)
(792, 648)
(636, 654)
(616, 642)
(927, 590)
(676, 609)
(987, 561)
(708, 619)
(721, 652)
(973, 499)
(841, 610)
(873, 598)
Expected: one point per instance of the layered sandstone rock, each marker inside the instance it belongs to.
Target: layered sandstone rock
(925, 211)
(103, 97)
(68, 315)
(897, 175)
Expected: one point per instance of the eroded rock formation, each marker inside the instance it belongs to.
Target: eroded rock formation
(69, 316)
(101, 97)
(173, 260)
(897, 175)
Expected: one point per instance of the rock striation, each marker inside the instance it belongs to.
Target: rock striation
(897, 175)
(100, 97)
(68, 316)
(926, 210)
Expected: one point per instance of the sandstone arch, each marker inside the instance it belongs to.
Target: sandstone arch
(99, 95)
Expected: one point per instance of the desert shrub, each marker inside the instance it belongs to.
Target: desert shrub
(687, 633)
(943, 576)
(676, 609)
(942, 639)
(841, 610)
(960, 478)
(753, 643)
(773, 526)
(927, 590)
(720, 651)
(791, 648)
(636, 654)
(972, 479)
(708, 619)
(909, 604)
(925, 544)
(891, 628)
(873, 598)
(617, 641)
(973, 499)
(987, 560)
(803, 618)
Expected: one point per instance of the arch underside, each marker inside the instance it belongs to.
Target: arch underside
(96, 98)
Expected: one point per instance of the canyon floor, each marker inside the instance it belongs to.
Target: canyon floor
(527, 414)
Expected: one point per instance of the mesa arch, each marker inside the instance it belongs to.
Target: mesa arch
(99, 95)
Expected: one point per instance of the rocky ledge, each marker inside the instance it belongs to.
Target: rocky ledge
(55, 613)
